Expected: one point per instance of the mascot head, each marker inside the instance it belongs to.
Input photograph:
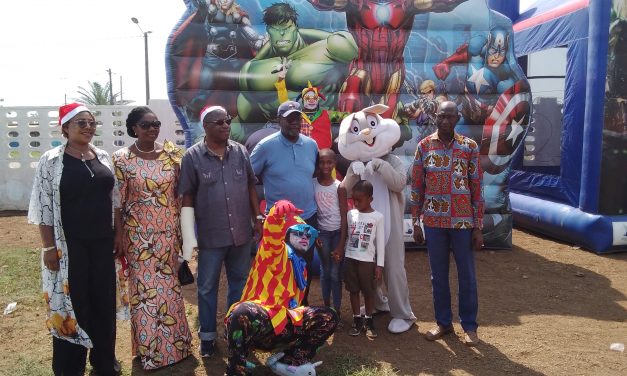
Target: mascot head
(365, 134)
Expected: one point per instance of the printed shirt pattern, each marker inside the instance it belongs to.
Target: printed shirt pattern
(271, 282)
(446, 183)
(45, 209)
(366, 234)
(150, 211)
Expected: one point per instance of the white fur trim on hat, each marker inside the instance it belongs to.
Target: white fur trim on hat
(209, 109)
(74, 109)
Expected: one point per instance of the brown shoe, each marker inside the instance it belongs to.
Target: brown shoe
(438, 332)
(471, 339)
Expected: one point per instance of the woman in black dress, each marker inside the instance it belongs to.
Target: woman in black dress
(72, 202)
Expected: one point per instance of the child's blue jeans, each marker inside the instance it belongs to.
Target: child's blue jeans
(330, 271)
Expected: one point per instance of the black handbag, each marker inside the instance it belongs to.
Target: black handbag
(185, 274)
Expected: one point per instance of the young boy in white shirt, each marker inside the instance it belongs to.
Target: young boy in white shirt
(364, 256)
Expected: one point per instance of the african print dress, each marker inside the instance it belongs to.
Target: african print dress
(150, 211)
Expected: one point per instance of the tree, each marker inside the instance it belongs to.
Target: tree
(97, 94)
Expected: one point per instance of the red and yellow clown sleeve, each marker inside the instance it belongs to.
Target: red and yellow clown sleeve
(271, 282)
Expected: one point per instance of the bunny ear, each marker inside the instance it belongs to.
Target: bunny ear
(376, 109)
(316, 364)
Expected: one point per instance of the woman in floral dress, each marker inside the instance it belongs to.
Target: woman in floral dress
(147, 174)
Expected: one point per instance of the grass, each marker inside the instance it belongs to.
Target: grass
(20, 282)
(26, 366)
(349, 365)
(20, 279)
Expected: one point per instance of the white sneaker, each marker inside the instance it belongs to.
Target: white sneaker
(397, 326)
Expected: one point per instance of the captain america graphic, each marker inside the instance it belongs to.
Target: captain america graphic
(495, 107)
(495, 96)
(488, 73)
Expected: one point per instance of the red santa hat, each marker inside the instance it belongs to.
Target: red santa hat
(68, 111)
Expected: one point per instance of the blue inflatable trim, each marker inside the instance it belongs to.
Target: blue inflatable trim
(591, 231)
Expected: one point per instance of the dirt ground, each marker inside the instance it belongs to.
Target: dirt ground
(545, 308)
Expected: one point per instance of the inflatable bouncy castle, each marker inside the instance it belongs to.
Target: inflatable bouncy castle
(407, 54)
(570, 179)
(249, 55)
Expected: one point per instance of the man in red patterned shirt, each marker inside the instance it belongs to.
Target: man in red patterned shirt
(447, 194)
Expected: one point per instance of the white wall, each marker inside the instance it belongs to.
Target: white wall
(27, 132)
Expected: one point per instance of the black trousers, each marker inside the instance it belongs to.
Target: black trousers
(91, 279)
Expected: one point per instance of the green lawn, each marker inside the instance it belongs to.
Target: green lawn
(29, 352)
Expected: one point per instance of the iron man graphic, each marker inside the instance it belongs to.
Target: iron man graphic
(381, 30)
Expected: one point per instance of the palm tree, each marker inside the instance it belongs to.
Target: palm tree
(97, 94)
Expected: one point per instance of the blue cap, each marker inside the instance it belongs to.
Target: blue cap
(288, 107)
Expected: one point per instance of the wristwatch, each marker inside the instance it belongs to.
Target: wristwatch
(260, 217)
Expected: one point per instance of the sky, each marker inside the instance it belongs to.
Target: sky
(51, 47)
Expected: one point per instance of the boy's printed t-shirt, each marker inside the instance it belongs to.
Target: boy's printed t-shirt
(328, 205)
(366, 237)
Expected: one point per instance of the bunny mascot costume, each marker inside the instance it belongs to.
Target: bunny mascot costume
(366, 139)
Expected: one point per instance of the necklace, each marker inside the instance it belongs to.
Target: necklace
(145, 152)
(82, 158)
(221, 156)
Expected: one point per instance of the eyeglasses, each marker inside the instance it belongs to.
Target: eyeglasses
(220, 122)
(145, 125)
(83, 123)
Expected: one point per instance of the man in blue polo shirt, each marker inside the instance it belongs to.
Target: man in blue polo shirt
(285, 163)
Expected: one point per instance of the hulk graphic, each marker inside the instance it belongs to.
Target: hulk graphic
(311, 55)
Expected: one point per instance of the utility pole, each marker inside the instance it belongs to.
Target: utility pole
(136, 22)
(146, 63)
(110, 87)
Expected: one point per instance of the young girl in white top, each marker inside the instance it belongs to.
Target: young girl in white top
(332, 207)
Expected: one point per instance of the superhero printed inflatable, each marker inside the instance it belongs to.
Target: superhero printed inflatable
(407, 54)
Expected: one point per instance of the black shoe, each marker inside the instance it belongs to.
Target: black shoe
(207, 348)
(369, 326)
(357, 327)
(117, 367)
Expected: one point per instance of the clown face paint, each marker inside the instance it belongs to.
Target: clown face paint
(310, 100)
(365, 135)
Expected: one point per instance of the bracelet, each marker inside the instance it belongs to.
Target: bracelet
(46, 249)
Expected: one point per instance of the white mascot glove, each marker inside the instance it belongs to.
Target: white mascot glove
(373, 165)
(188, 231)
(282, 369)
(358, 167)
